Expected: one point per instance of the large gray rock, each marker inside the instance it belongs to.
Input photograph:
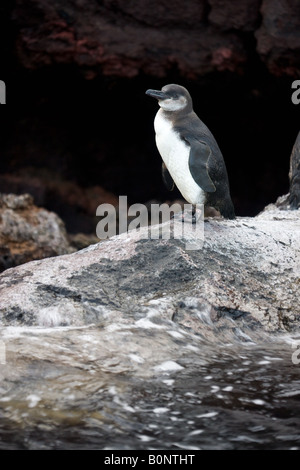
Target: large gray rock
(248, 269)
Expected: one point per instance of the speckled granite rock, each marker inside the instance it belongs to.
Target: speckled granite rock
(248, 268)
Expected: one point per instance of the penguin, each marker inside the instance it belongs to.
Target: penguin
(191, 156)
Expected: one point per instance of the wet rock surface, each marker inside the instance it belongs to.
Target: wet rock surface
(143, 344)
(136, 343)
(28, 232)
(148, 385)
(247, 268)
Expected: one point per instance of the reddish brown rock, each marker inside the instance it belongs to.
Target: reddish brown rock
(117, 38)
(159, 13)
(243, 15)
(278, 40)
(123, 39)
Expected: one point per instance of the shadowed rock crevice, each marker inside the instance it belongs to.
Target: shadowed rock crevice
(294, 175)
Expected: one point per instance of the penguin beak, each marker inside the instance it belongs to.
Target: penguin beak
(159, 95)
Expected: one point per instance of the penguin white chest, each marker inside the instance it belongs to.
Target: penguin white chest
(175, 154)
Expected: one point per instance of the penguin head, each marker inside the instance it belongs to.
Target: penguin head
(172, 98)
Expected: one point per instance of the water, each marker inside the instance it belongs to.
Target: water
(149, 384)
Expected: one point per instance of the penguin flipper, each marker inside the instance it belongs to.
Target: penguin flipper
(167, 178)
(198, 163)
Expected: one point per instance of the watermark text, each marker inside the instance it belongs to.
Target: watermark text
(154, 222)
(296, 93)
(296, 354)
(2, 92)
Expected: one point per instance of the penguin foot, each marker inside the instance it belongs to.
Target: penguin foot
(189, 219)
(186, 217)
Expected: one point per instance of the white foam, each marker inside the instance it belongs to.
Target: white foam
(289, 393)
(186, 447)
(168, 366)
(208, 415)
(136, 358)
(268, 358)
(50, 316)
(160, 410)
(229, 388)
(4, 399)
(257, 401)
(147, 324)
(33, 400)
(192, 348)
(175, 334)
(168, 382)
(196, 432)
(144, 438)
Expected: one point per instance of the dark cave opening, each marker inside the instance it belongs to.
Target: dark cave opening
(67, 129)
(59, 125)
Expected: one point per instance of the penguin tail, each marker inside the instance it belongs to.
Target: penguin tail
(227, 210)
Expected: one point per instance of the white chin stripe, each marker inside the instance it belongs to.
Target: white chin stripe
(172, 105)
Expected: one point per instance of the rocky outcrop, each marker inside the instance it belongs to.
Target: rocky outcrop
(247, 269)
(124, 38)
(291, 200)
(278, 41)
(294, 175)
(127, 38)
(28, 232)
(243, 15)
(76, 205)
